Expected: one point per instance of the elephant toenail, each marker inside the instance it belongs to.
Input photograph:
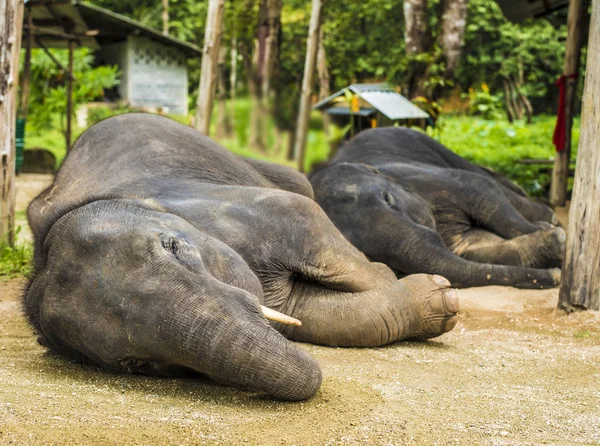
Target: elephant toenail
(441, 281)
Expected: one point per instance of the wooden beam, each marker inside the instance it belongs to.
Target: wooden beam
(39, 31)
(580, 286)
(307, 83)
(208, 70)
(11, 20)
(70, 96)
(560, 174)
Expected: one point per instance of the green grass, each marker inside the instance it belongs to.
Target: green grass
(15, 261)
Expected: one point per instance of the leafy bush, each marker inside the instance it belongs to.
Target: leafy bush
(49, 89)
(485, 104)
(500, 146)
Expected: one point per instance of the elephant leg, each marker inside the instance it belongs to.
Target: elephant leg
(341, 297)
(540, 249)
(530, 209)
(486, 204)
(423, 250)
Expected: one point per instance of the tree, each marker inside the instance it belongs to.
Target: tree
(307, 82)
(11, 19)
(165, 17)
(432, 59)
(580, 284)
(210, 56)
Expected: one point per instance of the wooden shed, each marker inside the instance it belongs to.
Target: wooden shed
(152, 65)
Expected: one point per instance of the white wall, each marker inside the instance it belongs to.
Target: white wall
(157, 76)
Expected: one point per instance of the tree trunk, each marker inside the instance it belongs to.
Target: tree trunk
(69, 131)
(524, 101)
(210, 55)
(223, 124)
(307, 82)
(510, 111)
(255, 137)
(324, 78)
(560, 173)
(580, 287)
(271, 21)
(11, 25)
(165, 17)
(417, 38)
(454, 19)
(233, 80)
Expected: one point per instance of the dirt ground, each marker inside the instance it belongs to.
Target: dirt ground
(514, 371)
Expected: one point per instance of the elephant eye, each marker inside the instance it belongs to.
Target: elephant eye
(389, 198)
(170, 244)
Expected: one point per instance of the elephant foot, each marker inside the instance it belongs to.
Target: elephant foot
(542, 249)
(434, 304)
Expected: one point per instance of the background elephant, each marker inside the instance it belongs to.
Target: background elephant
(405, 200)
(155, 249)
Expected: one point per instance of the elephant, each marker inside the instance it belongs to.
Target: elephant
(405, 200)
(159, 252)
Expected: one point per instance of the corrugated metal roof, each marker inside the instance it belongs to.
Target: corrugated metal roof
(82, 17)
(519, 10)
(381, 97)
(393, 105)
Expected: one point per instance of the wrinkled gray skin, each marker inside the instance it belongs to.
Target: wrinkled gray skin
(155, 247)
(405, 200)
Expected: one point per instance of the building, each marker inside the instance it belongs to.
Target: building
(152, 65)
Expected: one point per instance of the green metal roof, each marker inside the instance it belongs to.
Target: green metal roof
(381, 97)
(84, 20)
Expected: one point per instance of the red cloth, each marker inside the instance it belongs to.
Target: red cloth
(561, 126)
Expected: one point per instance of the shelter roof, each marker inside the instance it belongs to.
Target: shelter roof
(519, 10)
(58, 21)
(381, 97)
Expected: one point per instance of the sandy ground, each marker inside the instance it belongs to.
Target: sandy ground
(514, 371)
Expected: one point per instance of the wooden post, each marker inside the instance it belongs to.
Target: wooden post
(70, 96)
(580, 285)
(25, 85)
(560, 173)
(11, 21)
(307, 82)
(210, 56)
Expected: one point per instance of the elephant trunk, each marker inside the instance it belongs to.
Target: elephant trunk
(234, 344)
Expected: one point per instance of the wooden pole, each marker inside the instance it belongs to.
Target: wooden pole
(560, 173)
(210, 56)
(580, 286)
(11, 21)
(25, 85)
(307, 82)
(69, 133)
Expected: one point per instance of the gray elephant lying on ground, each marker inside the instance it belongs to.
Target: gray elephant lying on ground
(155, 249)
(405, 200)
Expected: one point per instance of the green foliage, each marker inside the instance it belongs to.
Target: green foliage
(49, 90)
(531, 52)
(483, 103)
(15, 261)
(500, 145)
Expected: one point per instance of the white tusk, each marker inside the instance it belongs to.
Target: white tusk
(276, 316)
